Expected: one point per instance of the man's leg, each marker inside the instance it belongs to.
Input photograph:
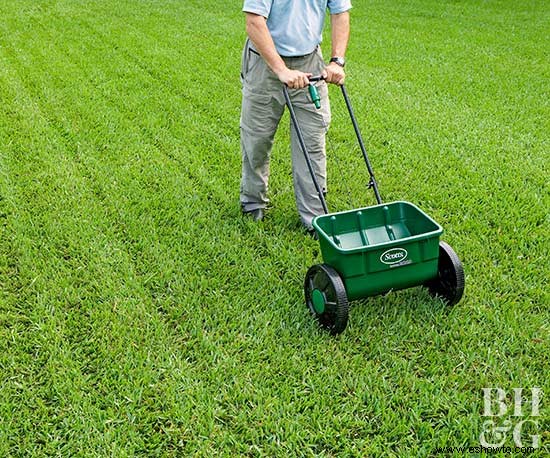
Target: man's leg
(260, 116)
(257, 133)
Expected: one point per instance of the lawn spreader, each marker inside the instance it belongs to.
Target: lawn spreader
(373, 250)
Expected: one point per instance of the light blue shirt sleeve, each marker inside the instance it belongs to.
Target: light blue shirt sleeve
(338, 6)
(261, 7)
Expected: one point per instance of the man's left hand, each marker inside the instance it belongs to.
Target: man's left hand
(334, 74)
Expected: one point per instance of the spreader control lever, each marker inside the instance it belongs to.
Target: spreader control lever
(313, 92)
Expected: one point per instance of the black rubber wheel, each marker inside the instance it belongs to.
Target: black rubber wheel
(449, 283)
(326, 298)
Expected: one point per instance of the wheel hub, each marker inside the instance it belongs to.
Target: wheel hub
(318, 299)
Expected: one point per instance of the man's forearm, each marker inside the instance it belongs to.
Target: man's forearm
(339, 33)
(256, 28)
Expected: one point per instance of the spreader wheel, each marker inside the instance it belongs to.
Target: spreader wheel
(449, 283)
(326, 298)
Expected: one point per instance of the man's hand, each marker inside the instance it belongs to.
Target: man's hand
(294, 79)
(334, 74)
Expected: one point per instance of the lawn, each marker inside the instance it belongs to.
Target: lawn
(141, 315)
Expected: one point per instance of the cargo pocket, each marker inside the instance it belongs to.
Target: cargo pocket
(244, 60)
(249, 60)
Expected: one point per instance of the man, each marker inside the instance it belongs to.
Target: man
(283, 48)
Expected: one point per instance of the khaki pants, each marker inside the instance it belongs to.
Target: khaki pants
(263, 105)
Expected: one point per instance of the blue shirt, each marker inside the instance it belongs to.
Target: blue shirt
(296, 25)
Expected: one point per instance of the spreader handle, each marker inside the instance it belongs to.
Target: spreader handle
(372, 184)
(314, 79)
(303, 147)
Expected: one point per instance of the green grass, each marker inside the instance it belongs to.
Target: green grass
(140, 315)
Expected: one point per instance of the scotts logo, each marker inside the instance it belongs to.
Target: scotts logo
(394, 256)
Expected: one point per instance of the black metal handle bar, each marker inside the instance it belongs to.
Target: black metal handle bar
(304, 149)
(313, 79)
(372, 184)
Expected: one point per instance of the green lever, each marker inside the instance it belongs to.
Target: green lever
(315, 98)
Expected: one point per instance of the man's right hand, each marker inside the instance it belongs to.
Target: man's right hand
(294, 79)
